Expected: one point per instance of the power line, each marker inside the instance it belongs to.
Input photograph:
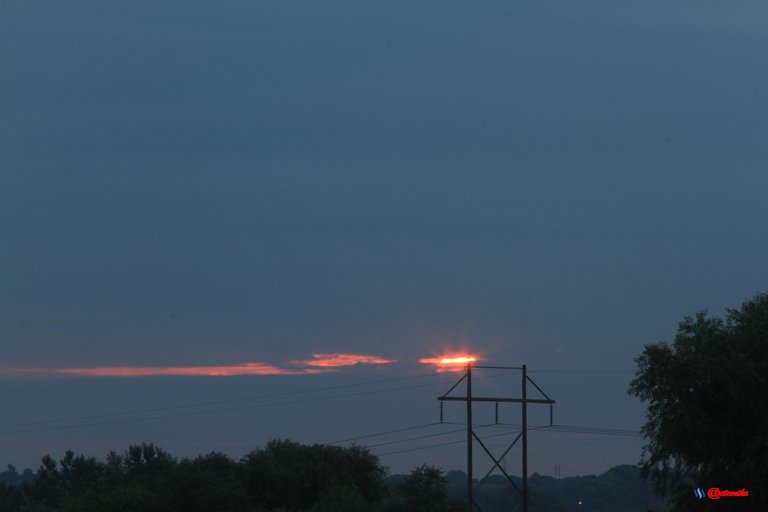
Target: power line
(211, 411)
(575, 429)
(593, 371)
(415, 427)
(247, 399)
(510, 428)
(415, 438)
(555, 428)
(214, 402)
(217, 402)
(438, 445)
(379, 434)
(419, 448)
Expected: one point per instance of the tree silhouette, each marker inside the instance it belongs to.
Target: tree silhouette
(293, 476)
(424, 490)
(707, 420)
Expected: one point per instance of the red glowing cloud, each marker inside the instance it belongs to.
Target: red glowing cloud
(336, 360)
(213, 371)
(320, 363)
(450, 362)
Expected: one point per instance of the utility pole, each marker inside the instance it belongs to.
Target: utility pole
(470, 498)
(525, 441)
(472, 436)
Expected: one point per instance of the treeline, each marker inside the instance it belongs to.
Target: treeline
(282, 477)
(11, 476)
(289, 477)
(620, 489)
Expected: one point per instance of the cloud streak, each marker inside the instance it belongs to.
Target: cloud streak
(209, 371)
(320, 363)
(338, 360)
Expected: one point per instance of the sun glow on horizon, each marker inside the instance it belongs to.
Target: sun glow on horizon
(450, 362)
(458, 360)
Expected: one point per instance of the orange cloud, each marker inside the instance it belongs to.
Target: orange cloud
(336, 360)
(320, 363)
(218, 371)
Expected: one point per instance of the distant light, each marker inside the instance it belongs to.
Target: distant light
(458, 360)
(451, 362)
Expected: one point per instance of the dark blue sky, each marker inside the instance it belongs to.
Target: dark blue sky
(196, 183)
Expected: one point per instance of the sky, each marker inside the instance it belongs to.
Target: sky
(228, 222)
